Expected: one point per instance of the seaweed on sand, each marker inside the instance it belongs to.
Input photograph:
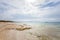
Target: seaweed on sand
(21, 29)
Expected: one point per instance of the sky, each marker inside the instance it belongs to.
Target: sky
(30, 10)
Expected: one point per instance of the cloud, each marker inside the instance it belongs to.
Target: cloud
(9, 8)
(50, 4)
(38, 10)
(50, 10)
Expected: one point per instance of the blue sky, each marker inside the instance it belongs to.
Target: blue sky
(30, 10)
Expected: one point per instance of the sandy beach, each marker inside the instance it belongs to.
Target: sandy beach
(12, 31)
(8, 31)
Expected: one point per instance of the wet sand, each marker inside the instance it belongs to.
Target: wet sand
(8, 31)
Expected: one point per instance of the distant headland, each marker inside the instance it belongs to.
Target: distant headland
(6, 21)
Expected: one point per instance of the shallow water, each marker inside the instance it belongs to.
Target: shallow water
(39, 31)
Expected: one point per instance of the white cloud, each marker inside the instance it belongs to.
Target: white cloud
(13, 7)
(31, 8)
